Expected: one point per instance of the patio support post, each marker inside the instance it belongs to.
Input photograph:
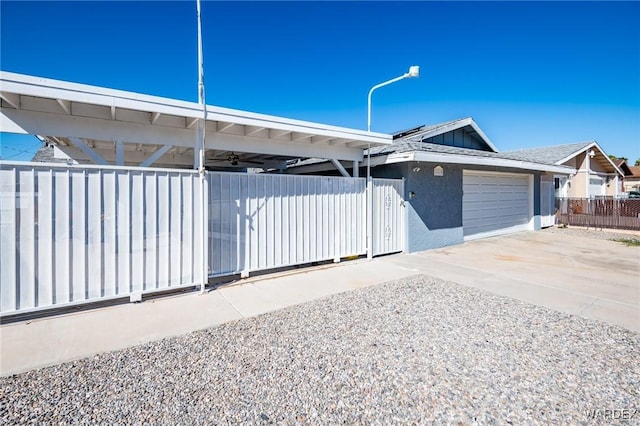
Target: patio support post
(369, 217)
(119, 153)
(201, 170)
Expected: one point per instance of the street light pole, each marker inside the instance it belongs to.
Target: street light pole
(414, 72)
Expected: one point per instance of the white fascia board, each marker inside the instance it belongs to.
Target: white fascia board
(428, 157)
(483, 136)
(591, 145)
(573, 154)
(74, 92)
(488, 161)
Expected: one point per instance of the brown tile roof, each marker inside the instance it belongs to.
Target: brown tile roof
(635, 170)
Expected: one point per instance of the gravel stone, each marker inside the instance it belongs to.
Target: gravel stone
(418, 350)
(600, 234)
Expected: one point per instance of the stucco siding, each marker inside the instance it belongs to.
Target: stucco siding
(433, 203)
(578, 185)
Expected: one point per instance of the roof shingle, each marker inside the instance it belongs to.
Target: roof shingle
(548, 154)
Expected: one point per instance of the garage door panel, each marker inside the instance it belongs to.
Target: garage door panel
(495, 202)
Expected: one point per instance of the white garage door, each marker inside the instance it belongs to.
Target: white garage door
(495, 203)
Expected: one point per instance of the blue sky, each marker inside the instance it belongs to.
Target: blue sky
(530, 74)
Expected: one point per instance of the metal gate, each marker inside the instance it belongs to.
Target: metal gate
(547, 201)
(261, 221)
(388, 216)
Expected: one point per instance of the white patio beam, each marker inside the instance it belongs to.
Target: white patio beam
(226, 126)
(11, 98)
(253, 131)
(133, 158)
(340, 168)
(321, 139)
(113, 112)
(154, 117)
(45, 124)
(156, 155)
(189, 122)
(266, 164)
(65, 105)
(274, 133)
(297, 136)
(90, 152)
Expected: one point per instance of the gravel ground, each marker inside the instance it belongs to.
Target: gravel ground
(601, 234)
(418, 350)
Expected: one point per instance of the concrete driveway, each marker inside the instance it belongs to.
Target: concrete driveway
(593, 278)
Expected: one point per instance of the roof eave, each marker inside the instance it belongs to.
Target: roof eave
(585, 148)
(489, 161)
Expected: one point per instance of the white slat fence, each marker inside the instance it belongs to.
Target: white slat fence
(260, 221)
(79, 234)
(72, 235)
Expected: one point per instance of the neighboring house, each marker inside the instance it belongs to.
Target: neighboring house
(621, 163)
(632, 180)
(594, 173)
(457, 185)
(50, 153)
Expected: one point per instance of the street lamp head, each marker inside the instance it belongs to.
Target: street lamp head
(414, 71)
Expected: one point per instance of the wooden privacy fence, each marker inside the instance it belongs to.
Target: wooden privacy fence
(599, 213)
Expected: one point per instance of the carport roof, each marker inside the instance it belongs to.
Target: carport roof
(100, 117)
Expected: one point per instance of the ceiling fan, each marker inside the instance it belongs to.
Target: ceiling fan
(234, 159)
